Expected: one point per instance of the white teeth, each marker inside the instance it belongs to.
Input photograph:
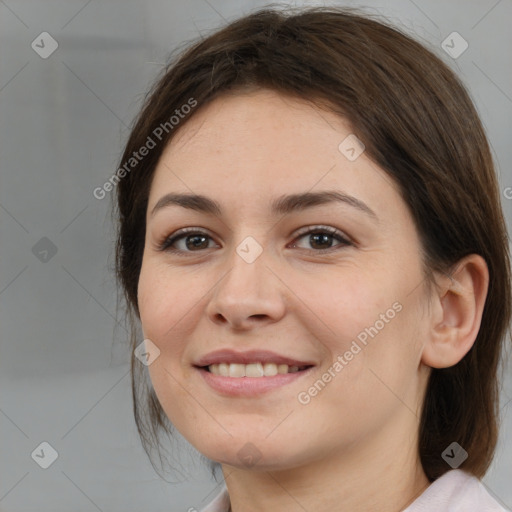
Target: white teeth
(236, 370)
(251, 370)
(270, 369)
(254, 370)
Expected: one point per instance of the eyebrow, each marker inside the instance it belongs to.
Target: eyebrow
(283, 205)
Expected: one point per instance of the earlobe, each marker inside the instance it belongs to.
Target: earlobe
(459, 304)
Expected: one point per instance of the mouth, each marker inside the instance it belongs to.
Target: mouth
(250, 373)
(250, 363)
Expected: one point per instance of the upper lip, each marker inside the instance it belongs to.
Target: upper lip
(247, 357)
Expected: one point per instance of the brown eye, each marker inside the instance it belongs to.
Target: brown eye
(321, 238)
(186, 241)
(196, 242)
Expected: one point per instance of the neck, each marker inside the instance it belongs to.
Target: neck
(371, 476)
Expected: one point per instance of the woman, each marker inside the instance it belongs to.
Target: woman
(312, 240)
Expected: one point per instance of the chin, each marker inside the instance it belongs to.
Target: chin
(255, 454)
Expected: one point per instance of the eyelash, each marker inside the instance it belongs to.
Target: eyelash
(166, 243)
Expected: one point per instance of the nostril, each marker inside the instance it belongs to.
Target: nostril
(257, 316)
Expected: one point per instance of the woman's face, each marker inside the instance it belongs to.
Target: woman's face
(346, 299)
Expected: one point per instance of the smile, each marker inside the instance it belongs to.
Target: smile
(250, 373)
(239, 382)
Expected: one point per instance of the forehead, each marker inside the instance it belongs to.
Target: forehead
(261, 124)
(250, 146)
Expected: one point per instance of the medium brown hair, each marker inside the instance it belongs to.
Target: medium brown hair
(418, 124)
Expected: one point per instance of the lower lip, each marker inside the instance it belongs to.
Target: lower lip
(249, 386)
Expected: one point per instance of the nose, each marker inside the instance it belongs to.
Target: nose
(249, 295)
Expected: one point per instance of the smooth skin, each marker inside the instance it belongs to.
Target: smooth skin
(353, 447)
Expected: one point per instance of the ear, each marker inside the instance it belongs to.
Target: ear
(456, 313)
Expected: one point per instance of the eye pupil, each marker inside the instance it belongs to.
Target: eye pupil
(321, 238)
(197, 243)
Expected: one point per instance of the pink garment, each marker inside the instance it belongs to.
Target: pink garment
(455, 491)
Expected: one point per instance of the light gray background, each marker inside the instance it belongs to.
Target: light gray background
(64, 368)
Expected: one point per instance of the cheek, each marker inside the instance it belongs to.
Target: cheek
(374, 377)
(374, 325)
(161, 306)
(162, 303)
(166, 305)
(351, 307)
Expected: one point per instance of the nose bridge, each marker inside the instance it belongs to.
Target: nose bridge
(248, 289)
(247, 269)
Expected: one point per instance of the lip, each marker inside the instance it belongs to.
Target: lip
(250, 386)
(247, 357)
